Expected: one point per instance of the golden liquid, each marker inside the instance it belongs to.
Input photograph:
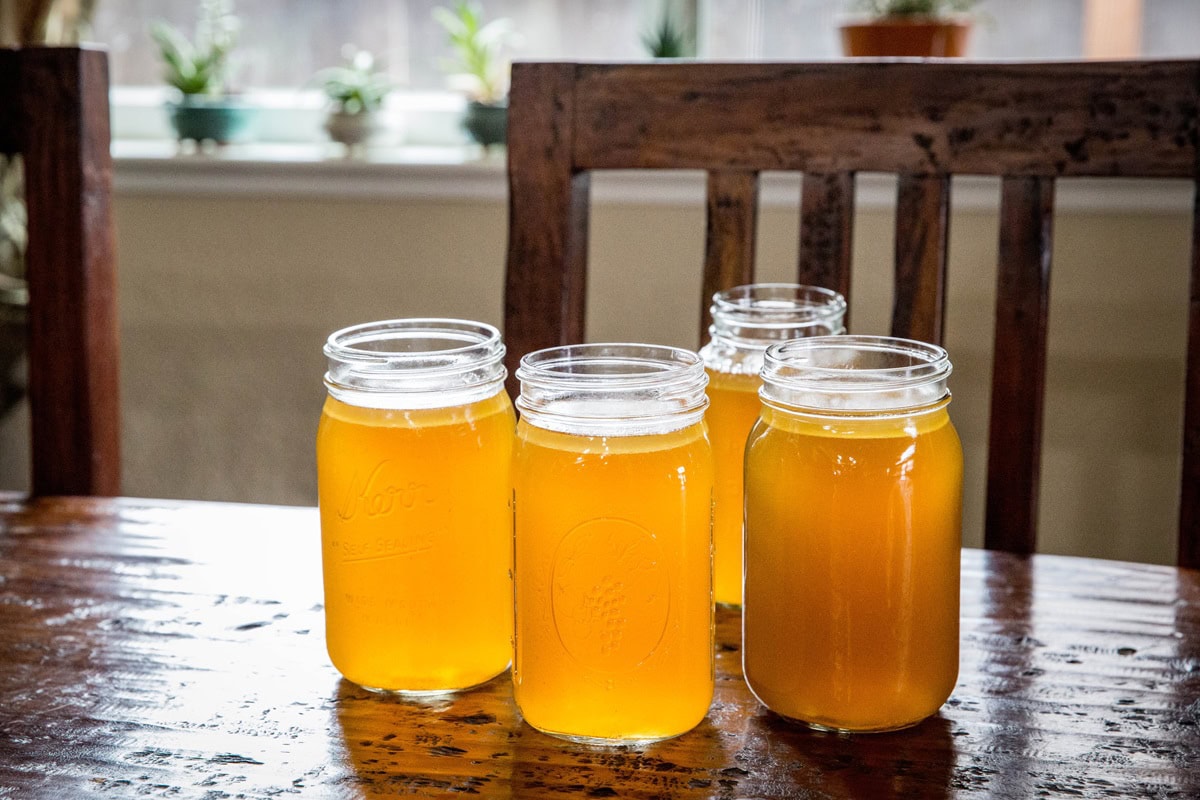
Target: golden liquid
(732, 412)
(614, 614)
(853, 533)
(417, 543)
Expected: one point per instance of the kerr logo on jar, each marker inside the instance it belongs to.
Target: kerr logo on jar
(379, 492)
(610, 595)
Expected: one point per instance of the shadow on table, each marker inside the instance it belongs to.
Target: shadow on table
(917, 762)
(444, 745)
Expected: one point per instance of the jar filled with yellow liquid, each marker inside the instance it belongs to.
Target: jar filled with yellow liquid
(853, 533)
(613, 481)
(746, 321)
(414, 450)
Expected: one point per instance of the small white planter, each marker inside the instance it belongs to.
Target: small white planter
(353, 129)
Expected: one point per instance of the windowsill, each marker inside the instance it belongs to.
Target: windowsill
(467, 172)
(320, 170)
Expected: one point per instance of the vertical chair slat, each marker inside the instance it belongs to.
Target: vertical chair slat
(826, 231)
(546, 275)
(1189, 504)
(71, 269)
(732, 220)
(1019, 369)
(922, 225)
(10, 107)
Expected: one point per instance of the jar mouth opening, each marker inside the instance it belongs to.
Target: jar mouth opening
(611, 366)
(421, 343)
(612, 389)
(775, 305)
(855, 373)
(415, 363)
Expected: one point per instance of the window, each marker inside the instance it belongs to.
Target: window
(284, 43)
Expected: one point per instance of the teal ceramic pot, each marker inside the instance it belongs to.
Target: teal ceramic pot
(221, 120)
(487, 122)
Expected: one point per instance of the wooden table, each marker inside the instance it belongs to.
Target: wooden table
(176, 649)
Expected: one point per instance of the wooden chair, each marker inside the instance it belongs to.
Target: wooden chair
(1028, 123)
(54, 112)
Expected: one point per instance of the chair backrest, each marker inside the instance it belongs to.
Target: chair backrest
(1028, 123)
(54, 113)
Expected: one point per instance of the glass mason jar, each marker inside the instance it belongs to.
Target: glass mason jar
(746, 321)
(853, 534)
(612, 478)
(413, 457)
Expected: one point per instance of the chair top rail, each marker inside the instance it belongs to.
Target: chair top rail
(1094, 118)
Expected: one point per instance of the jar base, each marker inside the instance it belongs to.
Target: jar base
(419, 695)
(600, 741)
(824, 728)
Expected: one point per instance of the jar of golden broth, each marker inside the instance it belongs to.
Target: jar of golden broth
(746, 321)
(413, 455)
(613, 480)
(853, 533)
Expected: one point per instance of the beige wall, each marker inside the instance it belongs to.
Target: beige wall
(225, 304)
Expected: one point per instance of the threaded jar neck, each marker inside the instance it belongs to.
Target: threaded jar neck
(854, 374)
(415, 363)
(612, 389)
(758, 315)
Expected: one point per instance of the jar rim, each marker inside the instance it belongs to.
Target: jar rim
(660, 362)
(793, 302)
(343, 344)
(415, 363)
(618, 388)
(751, 317)
(855, 373)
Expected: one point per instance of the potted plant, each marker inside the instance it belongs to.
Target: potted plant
(920, 28)
(671, 38)
(357, 91)
(479, 68)
(199, 69)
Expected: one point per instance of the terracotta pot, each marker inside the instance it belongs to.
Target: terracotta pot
(921, 37)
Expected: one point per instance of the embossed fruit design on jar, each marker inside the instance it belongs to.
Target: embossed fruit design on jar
(414, 449)
(613, 481)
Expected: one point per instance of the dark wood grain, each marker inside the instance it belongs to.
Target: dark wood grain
(1019, 364)
(922, 231)
(826, 232)
(924, 121)
(176, 649)
(10, 109)
(63, 135)
(731, 222)
(1189, 505)
(548, 217)
(1086, 118)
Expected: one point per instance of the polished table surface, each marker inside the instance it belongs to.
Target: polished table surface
(170, 649)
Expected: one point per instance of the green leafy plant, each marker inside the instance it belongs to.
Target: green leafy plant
(357, 86)
(13, 234)
(668, 40)
(479, 62)
(915, 8)
(199, 66)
